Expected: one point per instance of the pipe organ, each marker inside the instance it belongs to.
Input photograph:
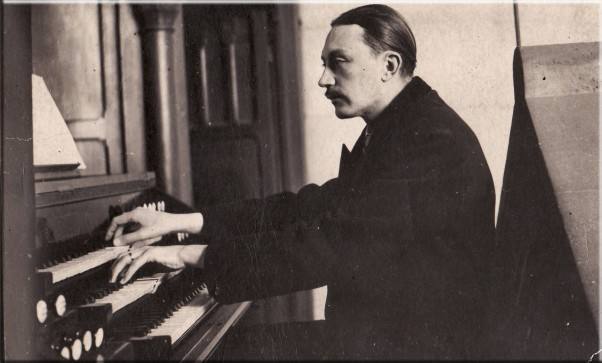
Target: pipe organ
(159, 314)
(116, 75)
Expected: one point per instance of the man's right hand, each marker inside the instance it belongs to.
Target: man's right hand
(153, 225)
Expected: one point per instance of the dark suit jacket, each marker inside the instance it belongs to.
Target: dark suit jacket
(402, 238)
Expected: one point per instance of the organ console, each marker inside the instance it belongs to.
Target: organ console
(124, 103)
(159, 314)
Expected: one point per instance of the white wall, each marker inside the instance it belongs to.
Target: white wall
(541, 24)
(465, 52)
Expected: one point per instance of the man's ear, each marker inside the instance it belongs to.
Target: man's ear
(392, 65)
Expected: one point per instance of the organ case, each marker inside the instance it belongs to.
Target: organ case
(159, 314)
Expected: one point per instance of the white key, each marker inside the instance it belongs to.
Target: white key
(182, 319)
(65, 270)
(131, 292)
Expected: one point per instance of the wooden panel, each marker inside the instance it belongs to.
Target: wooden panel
(208, 70)
(17, 187)
(132, 91)
(66, 44)
(219, 179)
(94, 152)
(237, 39)
(223, 65)
(234, 95)
(111, 90)
(202, 344)
(70, 208)
(76, 50)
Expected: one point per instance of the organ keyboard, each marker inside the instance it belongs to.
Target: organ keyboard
(123, 295)
(81, 315)
(177, 324)
(78, 265)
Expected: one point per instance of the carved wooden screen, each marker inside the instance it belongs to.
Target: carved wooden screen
(235, 148)
(239, 130)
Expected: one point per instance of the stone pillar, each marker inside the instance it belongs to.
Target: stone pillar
(156, 24)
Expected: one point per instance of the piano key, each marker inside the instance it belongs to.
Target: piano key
(131, 292)
(182, 319)
(65, 270)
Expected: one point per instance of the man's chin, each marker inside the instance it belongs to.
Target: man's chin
(342, 114)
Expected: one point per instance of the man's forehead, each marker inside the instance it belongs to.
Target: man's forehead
(343, 38)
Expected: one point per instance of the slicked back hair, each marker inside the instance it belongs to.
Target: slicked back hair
(384, 29)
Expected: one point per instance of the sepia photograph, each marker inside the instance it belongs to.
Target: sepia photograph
(300, 180)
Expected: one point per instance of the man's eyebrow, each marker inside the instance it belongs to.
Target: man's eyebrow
(335, 53)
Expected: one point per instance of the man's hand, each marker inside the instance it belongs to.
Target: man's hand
(174, 257)
(153, 225)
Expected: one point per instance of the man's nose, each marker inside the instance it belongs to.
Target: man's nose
(327, 79)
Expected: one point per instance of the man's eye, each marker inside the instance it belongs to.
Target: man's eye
(334, 63)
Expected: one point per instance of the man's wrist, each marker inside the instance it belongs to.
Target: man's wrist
(193, 222)
(193, 255)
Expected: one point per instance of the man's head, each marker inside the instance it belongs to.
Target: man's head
(369, 55)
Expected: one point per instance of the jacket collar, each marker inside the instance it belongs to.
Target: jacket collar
(353, 162)
(395, 112)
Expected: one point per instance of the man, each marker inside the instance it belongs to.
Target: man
(401, 238)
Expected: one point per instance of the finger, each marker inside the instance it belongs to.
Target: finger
(118, 266)
(135, 266)
(116, 222)
(145, 242)
(118, 234)
(139, 235)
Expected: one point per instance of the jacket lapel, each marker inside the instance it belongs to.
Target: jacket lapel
(345, 162)
(349, 159)
(356, 165)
